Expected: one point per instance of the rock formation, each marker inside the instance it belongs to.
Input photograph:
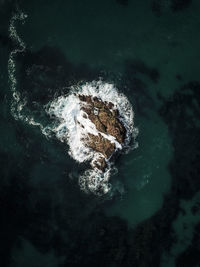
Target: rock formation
(105, 117)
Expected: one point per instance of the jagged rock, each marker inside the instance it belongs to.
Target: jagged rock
(100, 164)
(105, 117)
(101, 144)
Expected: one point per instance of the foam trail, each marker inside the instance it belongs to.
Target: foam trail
(19, 102)
(11, 63)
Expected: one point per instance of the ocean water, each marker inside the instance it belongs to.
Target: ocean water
(149, 50)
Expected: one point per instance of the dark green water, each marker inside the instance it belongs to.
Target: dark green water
(150, 50)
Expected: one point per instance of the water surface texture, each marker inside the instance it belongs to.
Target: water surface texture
(149, 51)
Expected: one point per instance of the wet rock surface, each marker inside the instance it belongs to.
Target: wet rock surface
(106, 118)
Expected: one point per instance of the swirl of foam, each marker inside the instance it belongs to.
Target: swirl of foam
(19, 103)
(67, 110)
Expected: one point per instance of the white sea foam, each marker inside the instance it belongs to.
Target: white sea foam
(18, 102)
(71, 126)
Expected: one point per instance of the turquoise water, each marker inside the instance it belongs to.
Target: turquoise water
(151, 55)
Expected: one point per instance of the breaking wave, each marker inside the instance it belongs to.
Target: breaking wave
(66, 111)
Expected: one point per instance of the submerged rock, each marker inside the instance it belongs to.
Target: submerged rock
(106, 119)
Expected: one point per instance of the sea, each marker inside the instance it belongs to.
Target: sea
(147, 53)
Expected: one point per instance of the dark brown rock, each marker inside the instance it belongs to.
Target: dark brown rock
(110, 105)
(101, 144)
(105, 117)
(100, 164)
